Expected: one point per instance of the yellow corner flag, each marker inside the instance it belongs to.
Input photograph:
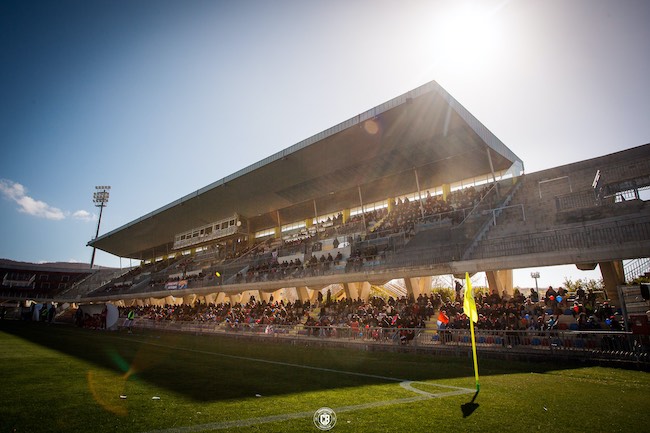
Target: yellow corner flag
(469, 308)
(469, 304)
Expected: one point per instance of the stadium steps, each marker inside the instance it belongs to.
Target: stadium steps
(67, 315)
(315, 313)
(430, 327)
(93, 282)
(490, 223)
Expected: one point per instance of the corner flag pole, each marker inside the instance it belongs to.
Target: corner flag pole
(471, 328)
(469, 308)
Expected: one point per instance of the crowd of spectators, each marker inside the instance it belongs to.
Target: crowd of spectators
(402, 318)
(535, 313)
(407, 213)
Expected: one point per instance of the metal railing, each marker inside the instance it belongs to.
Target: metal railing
(583, 344)
(636, 268)
(582, 237)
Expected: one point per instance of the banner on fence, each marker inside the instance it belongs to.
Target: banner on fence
(176, 285)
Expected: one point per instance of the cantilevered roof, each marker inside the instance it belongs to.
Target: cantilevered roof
(374, 155)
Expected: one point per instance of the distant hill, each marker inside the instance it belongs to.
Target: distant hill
(71, 266)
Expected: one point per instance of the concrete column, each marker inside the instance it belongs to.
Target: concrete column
(189, 299)
(346, 215)
(613, 276)
(357, 290)
(210, 298)
(277, 295)
(351, 290)
(446, 190)
(364, 291)
(500, 281)
(314, 293)
(266, 296)
(246, 295)
(221, 298)
(303, 293)
(417, 286)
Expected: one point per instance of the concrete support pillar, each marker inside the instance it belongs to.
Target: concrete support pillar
(346, 215)
(357, 290)
(221, 298)
(313, 294)
(417, 286)
(210, 298)
(446, 191)
(246, 295)
(278, 295)
(266, 296)
(303, 293)
(351, 291)
(613, 276)
(189, 299)
(364, 291)
(500, 281)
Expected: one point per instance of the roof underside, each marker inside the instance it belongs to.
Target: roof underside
(379, 151)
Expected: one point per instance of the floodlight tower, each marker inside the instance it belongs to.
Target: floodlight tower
(535, 275)
(100, 198)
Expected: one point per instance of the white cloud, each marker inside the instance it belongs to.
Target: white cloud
(84, 215)
(26, 204)
(11, 190)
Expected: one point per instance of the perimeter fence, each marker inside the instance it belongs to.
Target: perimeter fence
(584, 345)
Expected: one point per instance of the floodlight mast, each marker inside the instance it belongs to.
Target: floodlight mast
(100, 198)
(535, 275)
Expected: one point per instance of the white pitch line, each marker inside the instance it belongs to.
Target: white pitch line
(406, 384)
(299, 415)
(267, 361)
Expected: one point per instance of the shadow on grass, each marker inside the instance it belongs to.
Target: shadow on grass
(211, 368)
(469, 408)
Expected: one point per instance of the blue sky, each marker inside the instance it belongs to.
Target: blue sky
(160, 98)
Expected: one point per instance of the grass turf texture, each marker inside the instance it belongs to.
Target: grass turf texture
(59, 378)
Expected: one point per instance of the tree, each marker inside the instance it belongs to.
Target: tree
(586, 284)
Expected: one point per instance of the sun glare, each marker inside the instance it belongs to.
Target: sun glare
(469, 34)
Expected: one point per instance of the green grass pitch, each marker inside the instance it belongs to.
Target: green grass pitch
(59, 378)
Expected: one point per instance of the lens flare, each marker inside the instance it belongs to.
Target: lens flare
(106, 388)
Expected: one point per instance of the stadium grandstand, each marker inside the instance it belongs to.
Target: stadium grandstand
(39, 281)
(350, 226)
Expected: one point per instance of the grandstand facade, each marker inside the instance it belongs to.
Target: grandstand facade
(408, 190)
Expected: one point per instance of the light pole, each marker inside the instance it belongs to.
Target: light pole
(100, 198)
(535, 275)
